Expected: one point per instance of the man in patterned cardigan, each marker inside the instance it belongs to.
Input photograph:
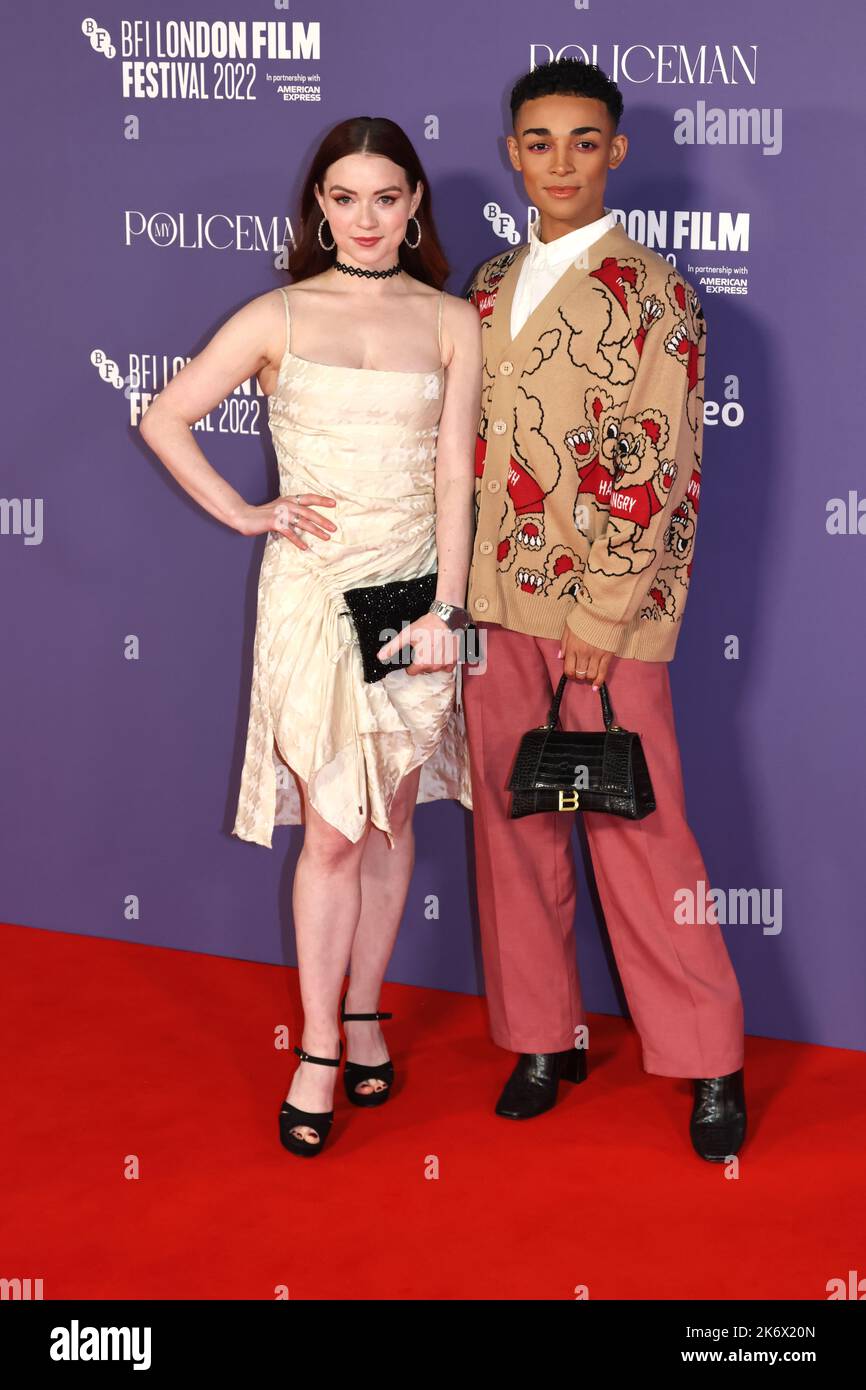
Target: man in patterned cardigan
(588, 469)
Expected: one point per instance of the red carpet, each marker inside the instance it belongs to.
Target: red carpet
(113, 1049)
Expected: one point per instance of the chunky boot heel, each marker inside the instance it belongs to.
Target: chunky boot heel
(574, 1065)
(532, 1087)
(718, 1123)
(320, 1122)
(356, 1073)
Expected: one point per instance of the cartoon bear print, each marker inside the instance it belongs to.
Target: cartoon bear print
(529, 581)
(593, 447)
(651, 311)
(480, 456)
(506, 553)
(642, 482)
(660, 602)
(605, 330)
(669, 591)
(506, 549)
(483, 294)
(541, 351)
(680, 535)
(563, 573)
(682, 341)
(679, 541)
(529, 486)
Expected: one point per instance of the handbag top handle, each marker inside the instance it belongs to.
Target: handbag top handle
(606, 707)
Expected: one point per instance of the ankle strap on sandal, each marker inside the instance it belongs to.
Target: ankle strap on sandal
(323, 1061)
(359, 1018)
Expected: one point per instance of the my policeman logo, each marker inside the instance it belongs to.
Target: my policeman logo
(213, 231)
(701, 65)
(77, 1343)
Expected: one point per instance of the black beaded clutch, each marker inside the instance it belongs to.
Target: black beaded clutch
(380, 610)
(574, 770)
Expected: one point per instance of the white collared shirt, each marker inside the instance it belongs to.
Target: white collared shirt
(546, 261)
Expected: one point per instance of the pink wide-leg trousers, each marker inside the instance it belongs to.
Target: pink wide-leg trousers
(678, 979)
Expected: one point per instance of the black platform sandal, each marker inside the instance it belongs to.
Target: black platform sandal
(356, 1073)
(319, 1121)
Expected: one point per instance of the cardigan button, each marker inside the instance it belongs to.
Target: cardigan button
(499, 426)
(506, 368)
(481, 605)
(494, 485)
(486, 547)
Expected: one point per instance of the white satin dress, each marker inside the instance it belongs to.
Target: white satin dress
(367, 438)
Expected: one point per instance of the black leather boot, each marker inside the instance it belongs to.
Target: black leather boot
(718, 1123)
(533, 1085)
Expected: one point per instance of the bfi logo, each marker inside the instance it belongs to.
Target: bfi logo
(503, 223)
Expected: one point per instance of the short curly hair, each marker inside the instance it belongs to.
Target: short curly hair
(567, 77)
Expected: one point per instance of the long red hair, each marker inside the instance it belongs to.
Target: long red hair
(368, 135)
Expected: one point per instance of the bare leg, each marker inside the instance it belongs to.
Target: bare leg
(326, 902)
(385, 877)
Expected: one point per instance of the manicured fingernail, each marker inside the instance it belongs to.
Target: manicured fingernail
(595, 687)
(559, 653)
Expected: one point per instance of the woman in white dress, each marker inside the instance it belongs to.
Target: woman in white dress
(373, 375)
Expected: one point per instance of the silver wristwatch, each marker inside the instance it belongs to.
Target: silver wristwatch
(454, 616)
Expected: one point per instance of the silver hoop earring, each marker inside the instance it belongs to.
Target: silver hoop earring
(319, 235)
(413, 245)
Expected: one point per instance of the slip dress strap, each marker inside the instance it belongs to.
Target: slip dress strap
(284, 293)
(439, 326)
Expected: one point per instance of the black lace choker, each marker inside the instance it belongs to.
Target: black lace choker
(370, 274)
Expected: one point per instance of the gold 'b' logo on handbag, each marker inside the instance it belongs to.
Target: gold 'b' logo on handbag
(568, 801)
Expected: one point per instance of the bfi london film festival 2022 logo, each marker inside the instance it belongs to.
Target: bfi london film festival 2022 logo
(210, 60)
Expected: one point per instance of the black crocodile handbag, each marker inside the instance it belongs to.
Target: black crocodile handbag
(577, 770)
(385, 608)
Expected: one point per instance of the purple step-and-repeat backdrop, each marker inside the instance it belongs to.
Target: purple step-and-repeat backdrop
(153, 159)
